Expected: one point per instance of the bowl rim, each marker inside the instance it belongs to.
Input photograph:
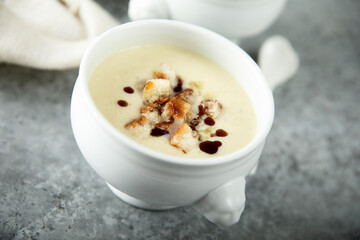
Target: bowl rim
(257, 140)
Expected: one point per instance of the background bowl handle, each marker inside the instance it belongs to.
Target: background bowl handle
(224, 205)
(148, 9)
(278, 60)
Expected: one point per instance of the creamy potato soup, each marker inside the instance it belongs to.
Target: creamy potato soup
(173, 101)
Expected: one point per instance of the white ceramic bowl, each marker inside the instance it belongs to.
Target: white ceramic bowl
(153, 180)
(234, 19)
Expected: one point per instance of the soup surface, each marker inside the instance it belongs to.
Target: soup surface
(173, 101)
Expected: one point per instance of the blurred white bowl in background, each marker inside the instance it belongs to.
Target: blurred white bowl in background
(234, 19)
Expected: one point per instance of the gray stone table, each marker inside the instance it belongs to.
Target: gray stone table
(307, 185)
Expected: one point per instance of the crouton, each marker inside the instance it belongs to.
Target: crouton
(160, 75)
(164, 126)
(184, 138)
(210, 108)
(185, 95)
(165, 72)
(177, 108)
(139, 127)
(157, 90)
(151, 112)
(190, 116)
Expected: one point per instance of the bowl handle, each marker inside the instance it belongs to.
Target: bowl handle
(148, 9)
(224, 205)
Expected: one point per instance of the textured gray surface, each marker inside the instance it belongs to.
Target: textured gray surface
(307, 185)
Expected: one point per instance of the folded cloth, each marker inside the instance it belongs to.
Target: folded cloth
(49, 34)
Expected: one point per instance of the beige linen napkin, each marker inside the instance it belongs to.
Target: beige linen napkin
(49, 34)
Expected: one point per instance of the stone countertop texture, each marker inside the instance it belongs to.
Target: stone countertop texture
(307, 185)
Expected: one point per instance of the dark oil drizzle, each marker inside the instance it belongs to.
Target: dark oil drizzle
(129, 90)
(122, 103)
(171, 119)
(178, 87)
(192, 127)
(193, 123)
(202, 110)
(219, 133)
(157, 132)
(210, 147)
(209, 121)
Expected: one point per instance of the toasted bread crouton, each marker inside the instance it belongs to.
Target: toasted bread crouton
(184, 138)
(165, 72)
(190, 116)
(160, 75)
(139, 127)
(185, 95)
(209, 107)
(164, 126)
(177, 108)
(157, 90)
(151, 112)
(205, 134)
